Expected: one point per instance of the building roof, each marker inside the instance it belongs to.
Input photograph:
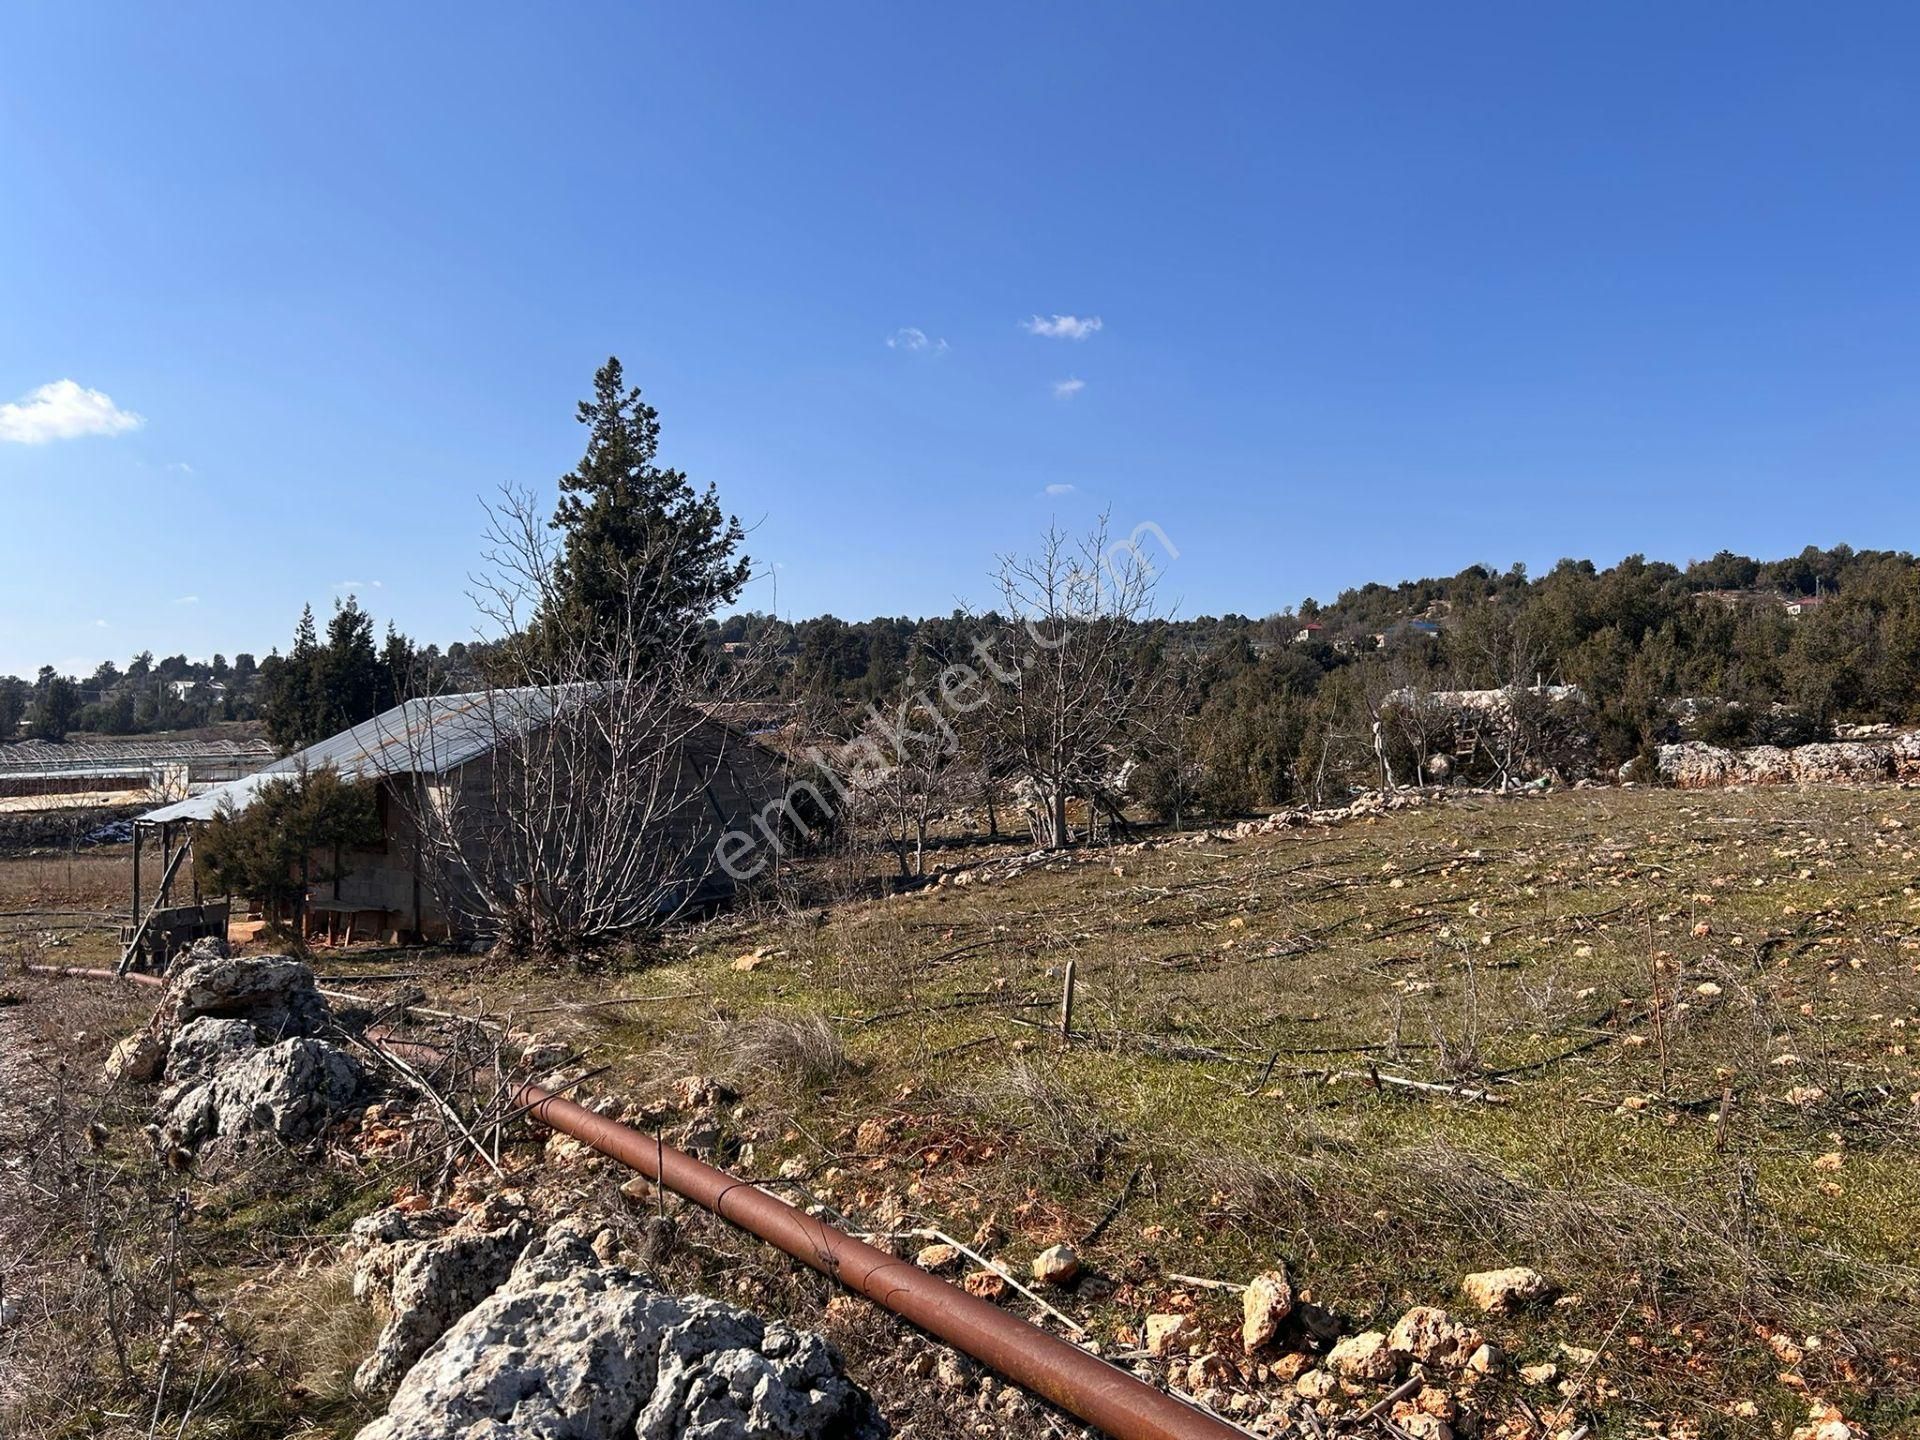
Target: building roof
(428, 736)
(115, 754)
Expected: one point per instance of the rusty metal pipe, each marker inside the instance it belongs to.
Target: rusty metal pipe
(80, 972)
(1081, 1384)
(1077, 1382)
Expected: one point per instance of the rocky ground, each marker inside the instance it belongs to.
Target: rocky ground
(1579, 1113)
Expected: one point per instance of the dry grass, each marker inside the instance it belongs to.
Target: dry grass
(802, 1052)
(1609, 964)
(1233, 997)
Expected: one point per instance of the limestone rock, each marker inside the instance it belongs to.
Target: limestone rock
(699, 1092)
(430, 1275)
(570, 1348)
(137, 1059)
(1842, 761)
(1430, 1336)
(1169, 1334)
(1056, 1265)
(986, 1285)
(291, 1091)
(1501, 1292)
(1366, 1356)
(202, 1048)
(1316, 1384)
(1904, 752)
(1265, 1306)
(273, 993)
(1766, 765)
(207, 947)
(938, 1259)
(1695, 765)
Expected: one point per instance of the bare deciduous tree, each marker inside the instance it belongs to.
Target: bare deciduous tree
(1076, 688)
(592, 809)
(901, 803)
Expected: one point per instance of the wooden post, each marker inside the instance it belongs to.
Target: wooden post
(1066, 1004)
(138, 829)
(166, 859)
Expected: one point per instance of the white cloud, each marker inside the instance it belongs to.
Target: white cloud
(62, 411)
(1062, 327)
(357, 585)
(913, 338)
(99, 624)
(187, 600)
(180, 467)
(1059, 490)
(1068, 388)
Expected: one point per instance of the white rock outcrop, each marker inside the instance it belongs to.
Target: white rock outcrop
(573, 1348)
(290, 1091)
(1695, 765)
(275, 994)
(427, 1268)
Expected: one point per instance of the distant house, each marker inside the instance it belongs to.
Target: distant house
(182, 689)
(1308, 632)
(1798, 605)
(443, 752)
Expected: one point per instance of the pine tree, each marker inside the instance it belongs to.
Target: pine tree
(397, 681)
(643, 551)
(346, 672)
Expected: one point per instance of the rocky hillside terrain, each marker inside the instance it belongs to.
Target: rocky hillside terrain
(1564, 1115)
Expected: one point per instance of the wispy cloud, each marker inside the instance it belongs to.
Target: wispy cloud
(180, 467)
(1059, 490)
(187, 600)
(357, 585)
(63, 410)
(1068, 388)
(100, 625)
(1062, 327)
(913, 338)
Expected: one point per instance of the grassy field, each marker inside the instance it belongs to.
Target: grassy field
(1654, 1044)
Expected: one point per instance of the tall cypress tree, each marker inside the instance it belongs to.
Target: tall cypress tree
(346, 672)
(636, 530)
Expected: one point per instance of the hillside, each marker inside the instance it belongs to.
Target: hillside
(1650, 1047)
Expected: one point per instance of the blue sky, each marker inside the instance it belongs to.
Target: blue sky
(1382, 289)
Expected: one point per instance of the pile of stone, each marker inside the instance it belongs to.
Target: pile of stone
(1363, 807)
(571, 1344)
(1694, 765)
(494, 1323)
(240, 1046)
(1424, 1373)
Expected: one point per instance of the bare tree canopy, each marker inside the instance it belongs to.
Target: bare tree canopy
(1077, 689)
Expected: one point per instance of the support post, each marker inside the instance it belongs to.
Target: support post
(138, 830)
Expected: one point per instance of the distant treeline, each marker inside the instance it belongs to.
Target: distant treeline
(1282, 706)
(323, 684)
(1736, 649)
